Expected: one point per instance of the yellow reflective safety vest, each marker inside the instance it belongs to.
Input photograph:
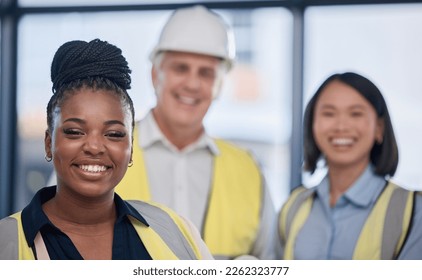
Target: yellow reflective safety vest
(166, 238)
(382, 236)
(235, 201)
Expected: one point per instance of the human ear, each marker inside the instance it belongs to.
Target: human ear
(154, 76)
(379, 132)
(48, 143)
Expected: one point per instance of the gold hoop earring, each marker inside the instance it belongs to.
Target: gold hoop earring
(130, 163)
(47, 158)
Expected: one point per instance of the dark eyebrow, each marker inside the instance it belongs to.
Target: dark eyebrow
(114, 122)
(329, 106)
(357, 106)
(76, 120)
(80, 121)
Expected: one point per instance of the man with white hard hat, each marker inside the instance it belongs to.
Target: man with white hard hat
(213, 183)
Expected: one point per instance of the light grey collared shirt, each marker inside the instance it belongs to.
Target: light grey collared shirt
(332, 232)
(179, 179)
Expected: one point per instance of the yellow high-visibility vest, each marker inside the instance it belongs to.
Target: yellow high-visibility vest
(382, 235)
(233, 214)
(181, 246)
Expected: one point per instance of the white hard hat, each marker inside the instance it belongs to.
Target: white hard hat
(197, 30)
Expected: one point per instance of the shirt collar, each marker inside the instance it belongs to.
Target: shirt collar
(34, 218)
(363, 192)
(125, 209)
(150, 133)
(366, 188)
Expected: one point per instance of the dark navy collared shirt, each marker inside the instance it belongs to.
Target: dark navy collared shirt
(126, 242)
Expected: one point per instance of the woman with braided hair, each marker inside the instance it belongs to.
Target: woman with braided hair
(90, 120)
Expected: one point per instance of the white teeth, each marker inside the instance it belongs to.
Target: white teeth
(342, 141)
(93, 168)
(187, 100)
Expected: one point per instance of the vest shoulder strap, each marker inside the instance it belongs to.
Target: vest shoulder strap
(385, 230)
(13, 245)
(167, 236)
(9, 241)
(293, 216)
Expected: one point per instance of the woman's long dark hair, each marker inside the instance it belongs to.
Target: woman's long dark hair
(384, 156)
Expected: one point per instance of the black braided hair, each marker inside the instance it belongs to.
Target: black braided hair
(96, 64)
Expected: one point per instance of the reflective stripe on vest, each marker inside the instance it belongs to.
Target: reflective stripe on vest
(159, 226)
(300, 197)
(382, 236)
(166, 238)
(13, 245)
(235, 173)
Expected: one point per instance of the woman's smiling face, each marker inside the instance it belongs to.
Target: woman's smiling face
(91, 143)
(345, 126)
